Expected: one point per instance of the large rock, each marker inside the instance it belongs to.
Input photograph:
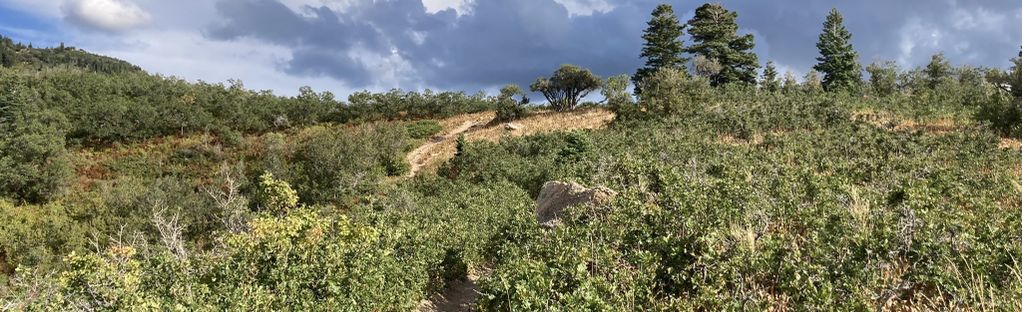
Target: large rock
(556, 195)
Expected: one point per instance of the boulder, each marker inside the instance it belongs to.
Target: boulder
(555, 196)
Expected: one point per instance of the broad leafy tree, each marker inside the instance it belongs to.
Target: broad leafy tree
(838, 59)
(883, 77)
(714, 32)
(663, 47)
(568, 85)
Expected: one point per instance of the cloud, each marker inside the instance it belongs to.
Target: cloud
(413, 43)
(369, 43)
(105, 15)
(482, 44)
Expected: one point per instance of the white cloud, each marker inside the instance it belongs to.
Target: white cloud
(461, 6)
(586, 7)
(173, 53)
(108, 15)
(918, 39)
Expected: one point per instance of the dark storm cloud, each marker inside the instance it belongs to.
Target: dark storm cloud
(502, 41)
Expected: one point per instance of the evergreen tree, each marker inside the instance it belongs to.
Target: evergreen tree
(663, 47)
(937, 70)
(714, 32)
(770, 81)
(838, 59)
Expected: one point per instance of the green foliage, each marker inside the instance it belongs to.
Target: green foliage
(714, 32)
(938, 70)
(568, 85)
(790, 84)
(34, 164)
(838, 60)
(669, 92)
(509, 108)
(102, 109)
(811, 83)
(883, 77)
(397, 105)
(36, 236)
(423, 129)
(1004, 111)
(770, 82)
(338, 165)
(615, 92)
(276, 196)
(663, 46)
(15, 54)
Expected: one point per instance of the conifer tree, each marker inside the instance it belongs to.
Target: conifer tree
(937, 70)
(714, 32)
(663, 47)
(770, 81)
(838, 59)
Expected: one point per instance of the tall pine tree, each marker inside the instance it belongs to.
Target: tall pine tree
(838, 60)
(714, 32)
(937, 70)
(663, 47)
(770, 81)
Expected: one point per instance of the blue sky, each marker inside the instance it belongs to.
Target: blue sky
(348, 45)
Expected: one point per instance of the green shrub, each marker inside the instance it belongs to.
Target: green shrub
(423, 129)
(34, 164)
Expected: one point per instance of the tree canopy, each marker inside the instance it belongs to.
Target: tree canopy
(838, 60)
(714, 32)
(770, 81)
(568, 85)
(663, 47)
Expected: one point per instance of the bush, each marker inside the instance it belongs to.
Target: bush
(670, 92)
(509, 108)
(423, 129)
(336, 165)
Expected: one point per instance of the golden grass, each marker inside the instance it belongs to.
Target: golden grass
(1012, 144)
(888, 120)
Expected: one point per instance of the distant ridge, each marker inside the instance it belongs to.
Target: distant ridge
(14, 54)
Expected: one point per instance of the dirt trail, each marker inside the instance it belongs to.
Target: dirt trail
(458, 296)
(476, 127)
(427, 153)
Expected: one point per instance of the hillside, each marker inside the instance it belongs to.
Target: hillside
(17, 54)
(702, 189)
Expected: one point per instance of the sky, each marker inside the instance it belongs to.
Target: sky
(344, 46)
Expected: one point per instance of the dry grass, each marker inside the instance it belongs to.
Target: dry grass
(893, 122)
(544, 122)
(1012, 144)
